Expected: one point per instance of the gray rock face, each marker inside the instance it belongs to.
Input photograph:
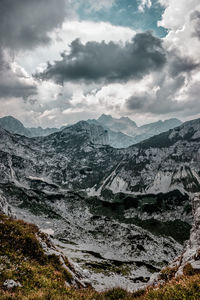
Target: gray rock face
(108, 202)
(4, 206)
(78, 158)
(191, 254)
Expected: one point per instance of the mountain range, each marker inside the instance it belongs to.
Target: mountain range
(121, 132)
(109, 209)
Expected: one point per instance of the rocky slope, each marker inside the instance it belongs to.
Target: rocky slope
(189, 261)
(25, 250)
(124, 211)
(79, 158)
(165, 162)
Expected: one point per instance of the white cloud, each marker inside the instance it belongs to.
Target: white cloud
(144, 4)
(62, 38)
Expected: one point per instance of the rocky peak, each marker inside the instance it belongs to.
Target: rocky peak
(105, 117)
(91, 132)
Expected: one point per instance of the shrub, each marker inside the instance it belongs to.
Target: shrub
(168, 273)
(116, 294)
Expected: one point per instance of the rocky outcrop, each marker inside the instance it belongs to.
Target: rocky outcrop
(4, 206)
(191, 255)
(188, 263)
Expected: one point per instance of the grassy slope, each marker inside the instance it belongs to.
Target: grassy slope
(43, 277)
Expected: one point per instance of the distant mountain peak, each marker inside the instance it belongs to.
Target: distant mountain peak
(105, 117)
(13, 125)
(94, 133)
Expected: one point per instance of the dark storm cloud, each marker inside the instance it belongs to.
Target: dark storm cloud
(108, 62)
(24, 24)
(27, 23)
(195, 17)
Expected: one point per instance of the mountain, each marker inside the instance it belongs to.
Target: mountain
(132, 132)
(39, 131)
(124, 124)
(116, 139)
(162, 163)
(130, 206)
(161, 126)
(15, 126)
(149, 130)
(121, 133)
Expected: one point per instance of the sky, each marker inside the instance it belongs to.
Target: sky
(65, 61)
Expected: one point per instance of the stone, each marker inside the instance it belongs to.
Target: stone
(10, 284)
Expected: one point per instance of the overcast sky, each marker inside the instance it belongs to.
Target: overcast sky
(68, 60)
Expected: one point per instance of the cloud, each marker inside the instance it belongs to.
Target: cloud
(143, 4)
(27, 23)
(175, 91)
(14, 82)
(84, 30)
(108, 62)
(160, 101)
(195, 18)
(24, 24)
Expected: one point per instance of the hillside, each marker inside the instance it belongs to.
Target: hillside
(33, 268)
(131, 204)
